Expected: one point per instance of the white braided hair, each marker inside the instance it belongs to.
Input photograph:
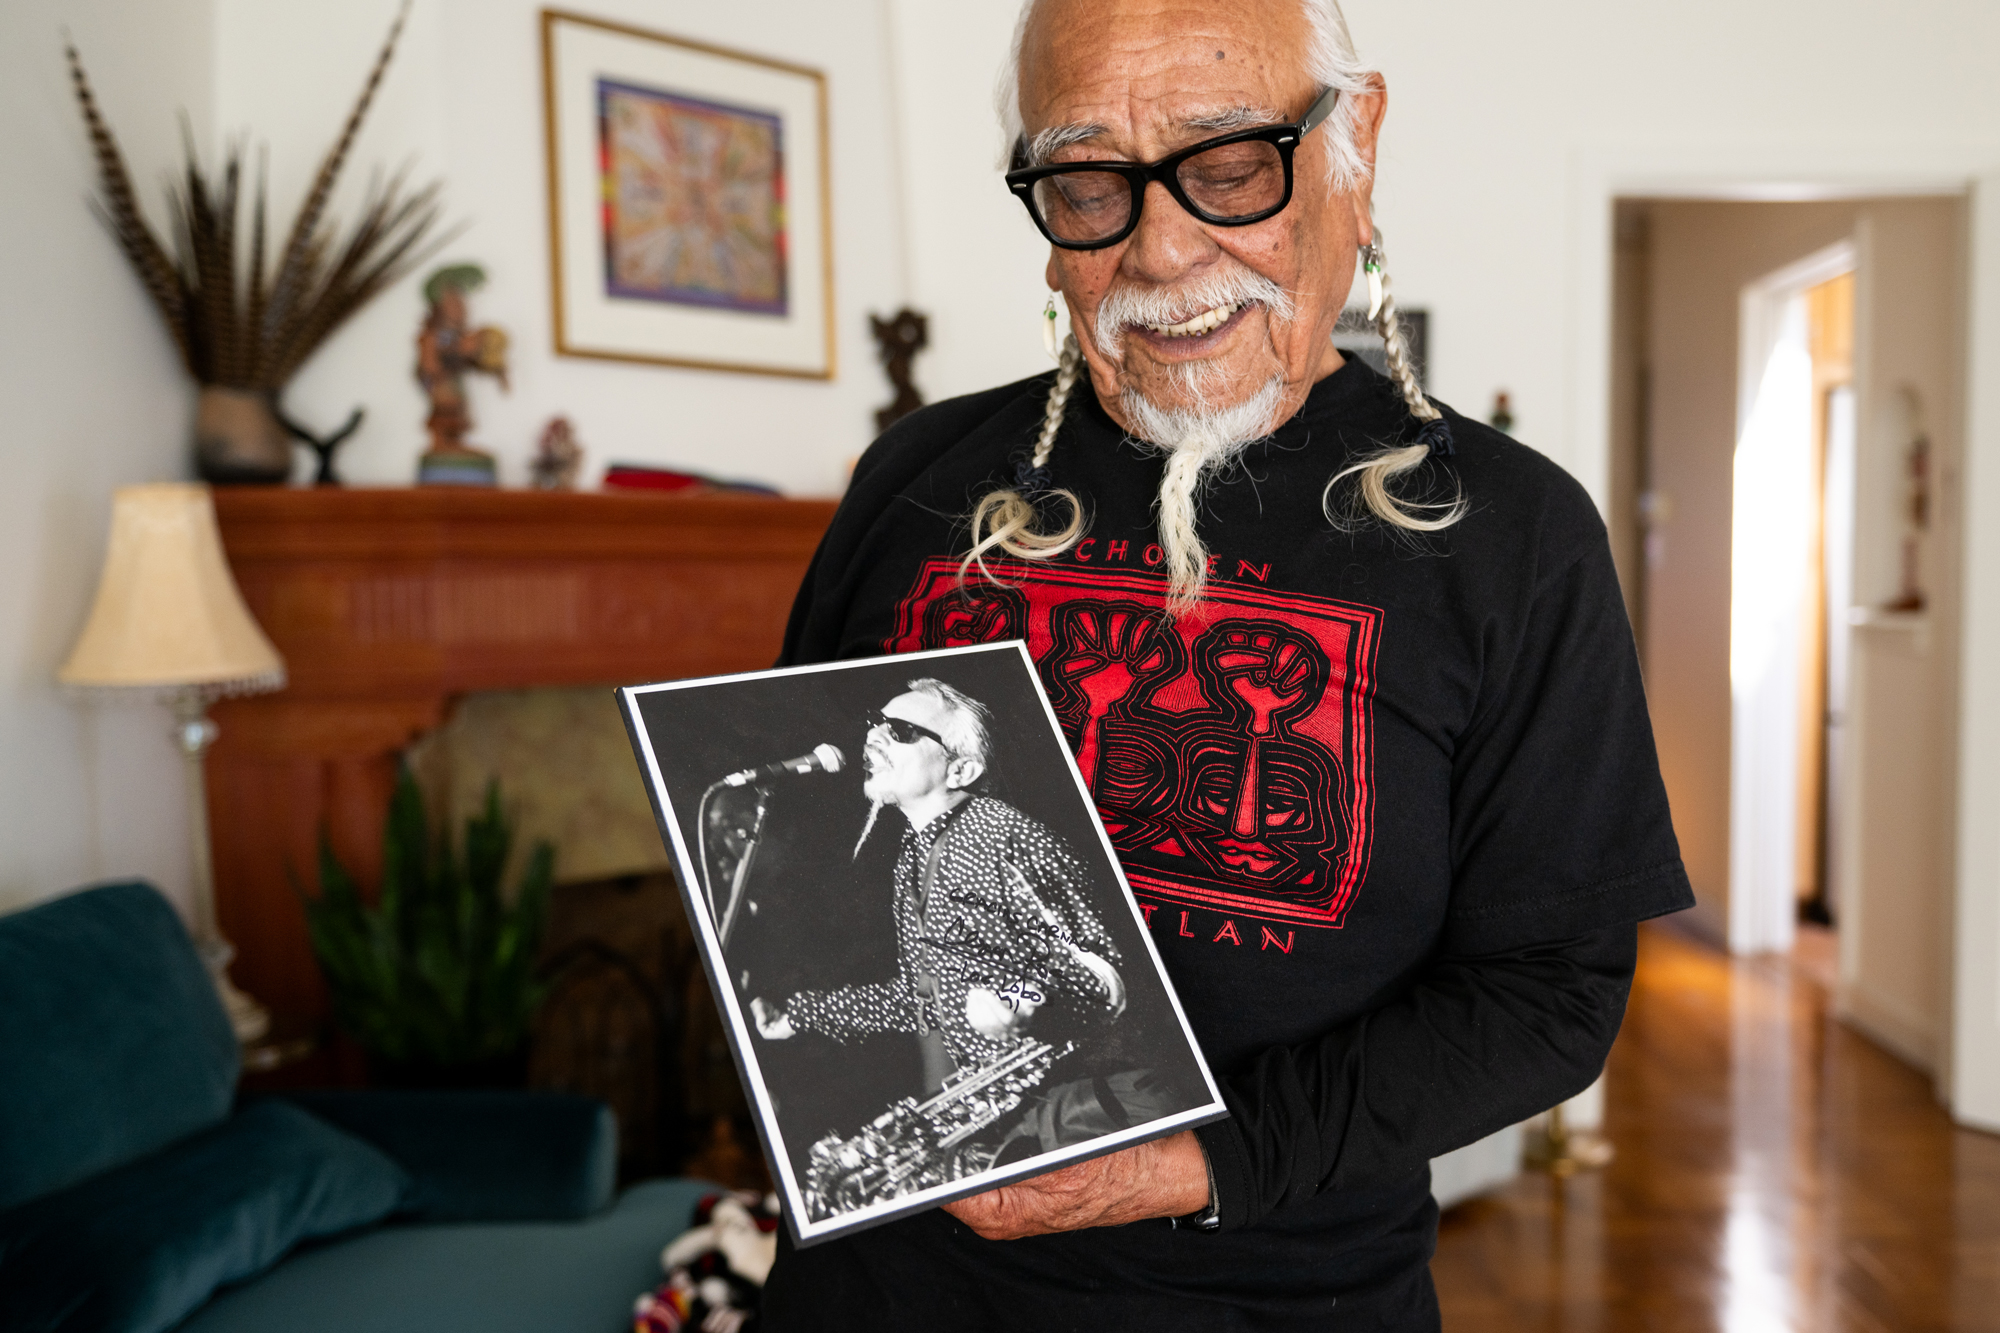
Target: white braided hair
(1006, 519)
(1376, 471)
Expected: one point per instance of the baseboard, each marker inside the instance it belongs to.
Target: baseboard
(1890, 1025)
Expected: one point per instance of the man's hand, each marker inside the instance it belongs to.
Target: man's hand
(1165, 1178)
(772, 1022)
(1004, 1012)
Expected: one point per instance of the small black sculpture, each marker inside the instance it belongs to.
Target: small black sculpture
(323, 449)
(899, 338)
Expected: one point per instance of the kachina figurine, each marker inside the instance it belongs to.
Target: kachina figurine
(448, 348)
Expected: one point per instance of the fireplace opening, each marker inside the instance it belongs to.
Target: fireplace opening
(628, 1018)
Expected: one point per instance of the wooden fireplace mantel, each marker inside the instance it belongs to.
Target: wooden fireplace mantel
(388, 603)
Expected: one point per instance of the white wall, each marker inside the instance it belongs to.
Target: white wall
(975, 262)
(1898, 815)
(94, 399)
(1496, 113)
(1505, 123)
(463, 101)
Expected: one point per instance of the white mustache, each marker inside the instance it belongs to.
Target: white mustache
(1130, 303)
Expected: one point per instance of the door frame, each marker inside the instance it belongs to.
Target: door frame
(1969, 1077)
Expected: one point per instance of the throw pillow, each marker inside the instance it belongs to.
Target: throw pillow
(135, 1250)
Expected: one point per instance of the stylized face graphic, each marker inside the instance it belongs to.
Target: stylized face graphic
(1268, 810)
(903, 758)
(1265, 794)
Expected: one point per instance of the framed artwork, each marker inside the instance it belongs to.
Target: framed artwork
(689, 216)
(926, 956)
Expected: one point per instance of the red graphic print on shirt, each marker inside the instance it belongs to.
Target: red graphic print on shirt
(1230, 753)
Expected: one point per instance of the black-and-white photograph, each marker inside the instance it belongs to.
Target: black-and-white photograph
(927, 958)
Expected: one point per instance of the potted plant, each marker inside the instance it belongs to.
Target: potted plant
(436, 979)
(243, 332)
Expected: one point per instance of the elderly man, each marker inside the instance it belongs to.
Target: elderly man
(993, 923)
(1348, 675)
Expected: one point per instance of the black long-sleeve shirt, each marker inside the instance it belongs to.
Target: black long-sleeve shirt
(1475, 1045)
(1391, 809)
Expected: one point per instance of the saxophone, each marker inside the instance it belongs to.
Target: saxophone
(915, 1145)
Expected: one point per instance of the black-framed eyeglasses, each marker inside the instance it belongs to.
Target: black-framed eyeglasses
(1231, 180)
(901, 729)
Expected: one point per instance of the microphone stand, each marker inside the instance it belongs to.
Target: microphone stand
(727, 924)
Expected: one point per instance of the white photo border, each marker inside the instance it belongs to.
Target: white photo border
(805, 1231)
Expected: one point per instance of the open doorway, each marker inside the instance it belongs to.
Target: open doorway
(1785, 436)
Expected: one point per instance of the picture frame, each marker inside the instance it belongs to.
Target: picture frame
(690, 210)
(868, 986)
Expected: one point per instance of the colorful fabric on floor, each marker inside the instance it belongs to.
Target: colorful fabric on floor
(716, 1269)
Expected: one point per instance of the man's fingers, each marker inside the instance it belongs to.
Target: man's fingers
(1064, 1200)
(1166, 1178)
(1005, 1214)
(986, 1214)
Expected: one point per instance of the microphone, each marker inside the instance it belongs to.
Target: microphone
(823, 759)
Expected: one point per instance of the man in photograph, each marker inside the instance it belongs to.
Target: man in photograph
(997, 943)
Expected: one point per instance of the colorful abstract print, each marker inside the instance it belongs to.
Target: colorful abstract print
(694, 201)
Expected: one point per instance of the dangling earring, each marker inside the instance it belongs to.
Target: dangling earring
(1050, 342)
(1371, 264)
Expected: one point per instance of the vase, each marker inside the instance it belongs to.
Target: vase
(237, 438)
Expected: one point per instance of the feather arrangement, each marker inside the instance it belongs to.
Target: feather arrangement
(235, 324)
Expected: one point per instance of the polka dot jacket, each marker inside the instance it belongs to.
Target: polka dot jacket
(1008, 912)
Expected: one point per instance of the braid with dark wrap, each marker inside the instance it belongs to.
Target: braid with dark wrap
(1375, 472)
(1005, 520)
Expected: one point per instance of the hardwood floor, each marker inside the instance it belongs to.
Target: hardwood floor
(1775, 1172)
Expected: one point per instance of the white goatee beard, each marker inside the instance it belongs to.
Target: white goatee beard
(1199, 439)
(874, 809)
(1201, 442)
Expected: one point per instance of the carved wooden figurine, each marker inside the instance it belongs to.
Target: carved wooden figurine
(899, 338)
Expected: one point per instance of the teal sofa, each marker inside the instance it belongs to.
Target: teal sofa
(139, 1193)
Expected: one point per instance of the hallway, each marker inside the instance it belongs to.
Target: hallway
(1775, 1172)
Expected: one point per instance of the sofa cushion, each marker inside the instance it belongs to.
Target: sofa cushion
(112, 1039)
(136, 1249)
(485, 1156)
(494, 1277)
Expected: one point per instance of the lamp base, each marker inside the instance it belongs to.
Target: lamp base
(1562, 1151)
(247, 1018)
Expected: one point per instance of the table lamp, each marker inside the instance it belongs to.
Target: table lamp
(169, 618)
